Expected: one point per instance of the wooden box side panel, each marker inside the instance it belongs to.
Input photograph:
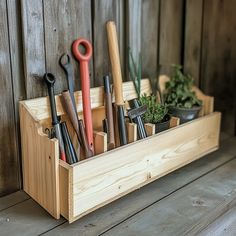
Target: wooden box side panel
(102, 179)
(40, 163)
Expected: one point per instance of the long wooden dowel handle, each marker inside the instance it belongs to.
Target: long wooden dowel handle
(115, 62)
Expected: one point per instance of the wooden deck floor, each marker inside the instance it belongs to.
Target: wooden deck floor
(199, 198)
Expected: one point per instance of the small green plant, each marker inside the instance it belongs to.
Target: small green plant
(179, 90)
(156, 112)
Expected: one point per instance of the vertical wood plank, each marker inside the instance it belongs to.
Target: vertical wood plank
(64, 22)
(16, 52)
(149, 37)
(8, 150)
(218, 69)
(193, 36)
(171, 31)
(33, 46)
(103, 11)
(133, 29)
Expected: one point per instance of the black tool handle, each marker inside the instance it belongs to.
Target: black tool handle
(109, 113)
(134, 105)
(122, 126)
(71, 157)
(50, 81)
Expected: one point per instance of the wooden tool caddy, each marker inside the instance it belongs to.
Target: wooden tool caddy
(75, 190)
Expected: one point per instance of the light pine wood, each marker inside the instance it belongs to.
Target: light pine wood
(174, 121)
(132, 132)
(39, 107)
(166, 153)
(40, 162)
(113, 46)
(150, 129)
(66, 197)
(100, 142)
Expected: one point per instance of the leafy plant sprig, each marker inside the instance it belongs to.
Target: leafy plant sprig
(156, 112)
(179, 90)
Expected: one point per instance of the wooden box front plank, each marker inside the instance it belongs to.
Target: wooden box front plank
(102, 179)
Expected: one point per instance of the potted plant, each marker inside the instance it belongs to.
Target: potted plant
(156, 113)
(180, 98)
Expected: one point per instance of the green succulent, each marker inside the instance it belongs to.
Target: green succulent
(179, 90)
(156, 112)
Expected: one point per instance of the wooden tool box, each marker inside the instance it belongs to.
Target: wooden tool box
(75, 190)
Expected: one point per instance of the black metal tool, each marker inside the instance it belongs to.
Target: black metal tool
(50, 81)
(135, 114)
(69, 148)
(109, 122)
(65, 63)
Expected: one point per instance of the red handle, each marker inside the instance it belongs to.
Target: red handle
(85, 84)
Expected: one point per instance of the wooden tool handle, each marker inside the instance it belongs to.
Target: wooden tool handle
(68, 106)
(115, 62)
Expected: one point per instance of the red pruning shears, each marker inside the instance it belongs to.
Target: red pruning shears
(85, 84)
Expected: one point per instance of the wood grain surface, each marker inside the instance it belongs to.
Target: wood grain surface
(218, 69)
(64, 22)
(9, 165)
(171, 34)
(103, 11)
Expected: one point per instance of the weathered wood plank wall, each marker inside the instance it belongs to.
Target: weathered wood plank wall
(198, 34)
(9, 174)
(218, 62)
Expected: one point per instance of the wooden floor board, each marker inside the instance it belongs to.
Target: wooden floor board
(116, 212)
(183, 209)
(26, 218)
(224, 225)
(12, 199)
